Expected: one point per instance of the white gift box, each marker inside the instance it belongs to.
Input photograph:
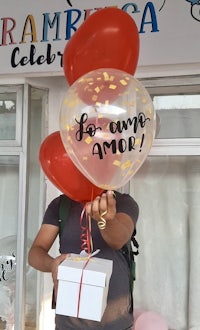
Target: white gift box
(83, 285)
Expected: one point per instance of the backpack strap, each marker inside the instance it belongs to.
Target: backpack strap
(129, 251)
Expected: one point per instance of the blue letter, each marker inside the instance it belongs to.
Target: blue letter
(131, 4)
(47, 22)
(69, 24)
(153, 21)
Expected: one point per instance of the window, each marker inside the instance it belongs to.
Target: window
(166, 188)
(177, 105)
(20, 200)
(178, 116)
(10, 115)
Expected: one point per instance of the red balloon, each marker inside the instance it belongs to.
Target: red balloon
(61, 171)
(108, 38)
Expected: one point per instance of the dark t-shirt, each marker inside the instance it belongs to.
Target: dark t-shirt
(116, 315)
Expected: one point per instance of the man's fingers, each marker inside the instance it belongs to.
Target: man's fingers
(104, 204)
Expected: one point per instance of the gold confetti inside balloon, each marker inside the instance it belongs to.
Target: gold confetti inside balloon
(107, 126)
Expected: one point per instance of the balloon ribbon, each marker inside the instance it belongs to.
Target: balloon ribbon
(86, 236)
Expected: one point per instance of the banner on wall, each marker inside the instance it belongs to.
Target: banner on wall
(32, 39)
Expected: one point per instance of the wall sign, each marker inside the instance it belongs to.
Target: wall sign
(32, 40)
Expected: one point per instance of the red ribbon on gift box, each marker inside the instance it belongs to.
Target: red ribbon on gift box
(81, 282)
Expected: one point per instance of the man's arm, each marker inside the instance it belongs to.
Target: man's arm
(118, 226)
(39, 257)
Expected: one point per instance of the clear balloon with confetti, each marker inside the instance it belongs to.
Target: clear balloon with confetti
(107, 126)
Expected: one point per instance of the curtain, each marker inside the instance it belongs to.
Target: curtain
(167, 190)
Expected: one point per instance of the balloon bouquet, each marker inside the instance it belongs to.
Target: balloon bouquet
(107, 120)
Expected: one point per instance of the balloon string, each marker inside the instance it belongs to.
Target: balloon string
(86, 235)
(90, 233)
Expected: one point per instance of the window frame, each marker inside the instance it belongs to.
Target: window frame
(173, 86)
(17, 142)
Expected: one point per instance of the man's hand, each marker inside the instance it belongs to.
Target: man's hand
(102, 206)
(57, 261)
(115, 228)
